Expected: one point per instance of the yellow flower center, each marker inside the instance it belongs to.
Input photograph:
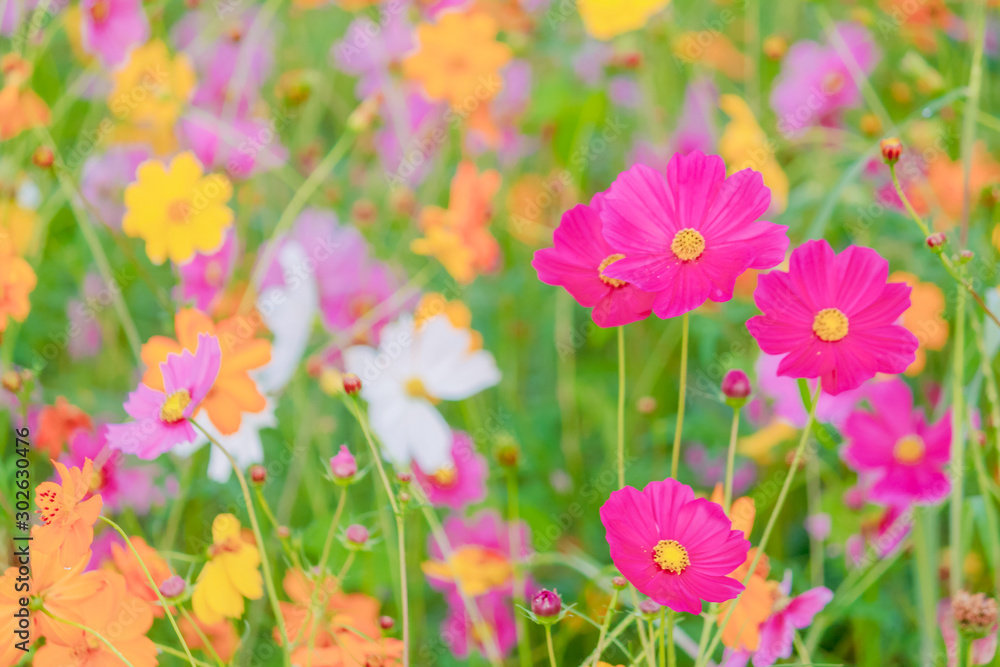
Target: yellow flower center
(179, 211)
(415, 388)
(100, 11)
(446, 476)
(608, 261)
(688, 244)
(830, 325)
(213, 273)
(173, 408)
(833, 83)
(671, 556)
(909, 450)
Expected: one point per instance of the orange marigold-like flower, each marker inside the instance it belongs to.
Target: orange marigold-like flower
(67, 519)
(221, 635)
(17, 280)
(947, 184)
(135, 577)
(234, 391)
(20, 107)
(924, 318)
(459, 59)
(56, 423)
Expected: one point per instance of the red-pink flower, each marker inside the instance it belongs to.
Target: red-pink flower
(906, 455)
(578, 261)
(688, 235)
(672, 547)
(834, 317)
(162, 417)
(460, 484)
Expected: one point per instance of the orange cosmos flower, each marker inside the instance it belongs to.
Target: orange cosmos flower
(716, 52)
(947, 183)
(17, 280)
(20, 108)
(458, 59)
(56, 423)
(234, 392)
(459, 236)
(221, 635)
(119, 617)
(924, 318)
(135, 577)
(432, 304)
(67, 519)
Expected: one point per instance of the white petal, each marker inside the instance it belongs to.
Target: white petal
(429, 435)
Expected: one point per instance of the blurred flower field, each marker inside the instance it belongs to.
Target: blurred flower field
(346, 333)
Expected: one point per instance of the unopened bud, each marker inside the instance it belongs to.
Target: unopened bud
(258, 474)
(775, 46)
(43, 157)
(404, 478)
(965, 256)
(892, 149)
(173, 586)
(386, 622)
(11, 381)
(646, 405)
(343, 466)
(936, 241)
(352, 383)
(649, 608)
(356, 534)
(736, 387)
(284, 532)
(546, 604)
(975, 614)
(619, 582)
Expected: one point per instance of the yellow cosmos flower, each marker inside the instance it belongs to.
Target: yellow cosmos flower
(475, 569)
(229, 576)
(605, 19)
(17, 225)
(177, 210)
(744, 144)
(149, 94)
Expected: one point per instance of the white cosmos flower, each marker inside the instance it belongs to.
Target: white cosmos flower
(245, 445)
(412, 370)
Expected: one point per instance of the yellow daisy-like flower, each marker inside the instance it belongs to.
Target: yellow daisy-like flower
(229, 576)
(177, 210)
(605, 19)
(475, 569)
(744, 144)
(459, 59)
(149, 93)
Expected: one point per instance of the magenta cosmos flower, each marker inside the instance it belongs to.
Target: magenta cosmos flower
(203, 278)
(687, 236)
(112, 28)
(459, 484)
(676, 549)
(906, 455)
(162, 417)
(834, 317)
(579, 263)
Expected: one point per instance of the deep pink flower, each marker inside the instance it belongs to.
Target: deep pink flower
(497, 610)
(120, 484)
(461, 484)
(672, 547)
(906, 455)
(579, 262)
(111, 28)
(204, 277)
(879, 537)
(816, 84)
(689, 235)
(834, 317)
(162, 417)
(786, 401)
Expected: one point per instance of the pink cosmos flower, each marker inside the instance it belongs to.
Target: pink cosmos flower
(579, 262)
(120, 485)
(111, 28)
(672, 547)
(689, 235)
(162, 417)
(879, 537)
(84, 329)
(105, 177)
(710, 469)
(834, 317)
(497, 611)
(786, 401)
(983, 649)
(906, 454)
(370, 49)
(204, 277)
(816, 84)
(777, 633)
(460, 484)
(244, 145)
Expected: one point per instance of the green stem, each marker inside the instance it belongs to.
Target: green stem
(265, 565)
(925, 576)
(174, 652)
(548, 642)
(321, 572)
(958, 446)
(976, 21)
(405, 610)
(91, 631)
(376, 456)
(347, 566)
(514, 537)
(727, 494)
(206, 642)
(604, 627)
(283, 541)
(152, 584)
(332, 530)
(675, 459)
(621, 407)
(814, 495)
(647, 643)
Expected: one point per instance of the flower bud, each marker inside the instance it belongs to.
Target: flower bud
(965, 256)
(774, 47)
(343, 466)
(619, 582)
(284, 532)
(546, 604)
(364, 115)
(386, 622)
(356, 534)
(404, 498)
(892, 149)
(43, 157)
(646, 405)
(352, 384)
(974, 614)
(258, 474)
(11, 381)
(173, 586)
(736, 387)
(936, 241)
(404, 477)
(649, 608)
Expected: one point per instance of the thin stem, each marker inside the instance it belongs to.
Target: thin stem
(604, 626)
(91, 631)
(174, 652)
(647, 643)
(548, 642)
(152, 584)
(201, 635)
(347, 566)
(514, 537)
(814, 494)
(976, 20)
(353, 403)
(925, 572)
(958, 446)
(265, 564)
(283, 541)
(400, 528)
(679, 428)
(332, 530)
(321, 571)
(727, 493)
(801, 649)
(621, 407)
(771, 522)
(663, 636)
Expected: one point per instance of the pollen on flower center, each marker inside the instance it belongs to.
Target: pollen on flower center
(415, 388)
(830, 325)
(688, 244)
(173, 408)
(445, 476)
(909, 450)
(608, 261)
(179, 210)
(100, 11)
(671, 556)
(833, 83)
